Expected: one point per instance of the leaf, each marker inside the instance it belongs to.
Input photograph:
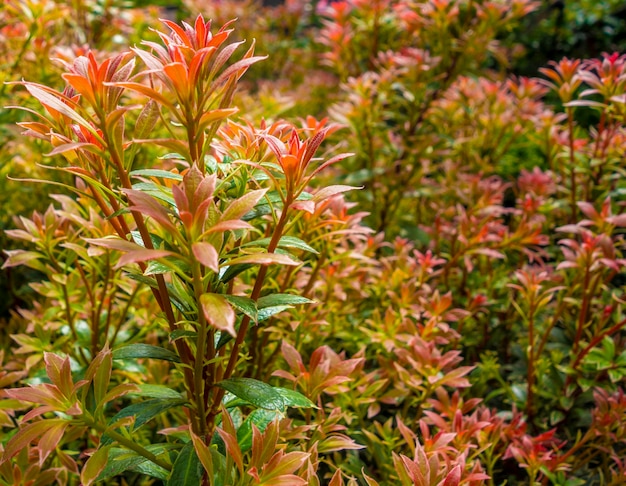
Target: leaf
(163, 174)
(27, 434)
(204, 454)
(331, 191)
(260, 418)
(149, 206)
(157, 391)
(263, 259)
(207, 255)
(141, 256)
(282, 299)
(114, 243)
(150, 93)
(212, 116)
(284, 242)
(255, 392)
(218, 312)
(243, 205)
(294, 399)
(245, 305)
(149, 468)
(102, 375)
(21, 257)
(268, 312)
(146, 411)
(94, 465)
(51, 101)
(121, 460)
(140, 350)
(146, 120)
(231, 271)
(183, 333)
(187, 470)
(279, 471)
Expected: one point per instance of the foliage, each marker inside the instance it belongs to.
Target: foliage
(212, 302)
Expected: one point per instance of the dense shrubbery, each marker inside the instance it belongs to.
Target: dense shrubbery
(371, 258)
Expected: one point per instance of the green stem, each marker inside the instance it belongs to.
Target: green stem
(572, 163)
(128, 443)
(200, 351)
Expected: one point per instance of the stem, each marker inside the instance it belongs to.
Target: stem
(95, 326)
(531, 362)
(583, 310)
(572, 162)
(245, 322)
(128, 443)
(200, 352)
(596, 340)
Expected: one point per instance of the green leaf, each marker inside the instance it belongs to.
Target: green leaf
(155, 267)
(245, 305)
(146, 411)
(284, 242)
(156, 191)
(139, 350)
(157, 391)
(183, 333)
(149, 468)
(268, 312)
(294, 399)
(232, 271)
(121, 460)
(187, 470)
(157, 241)
(297, 243)
(254, 392)
(270, 203)
(146, 120)
(273, 300)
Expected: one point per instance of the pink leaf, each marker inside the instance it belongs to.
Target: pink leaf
(454, 477)
(207, 255)
(331, 191)
(218, 312)
(263, 259)
(142, 255)
(149, 206)
(28, 434)
(244, 204)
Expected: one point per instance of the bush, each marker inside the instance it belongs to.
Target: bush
(214, 302)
